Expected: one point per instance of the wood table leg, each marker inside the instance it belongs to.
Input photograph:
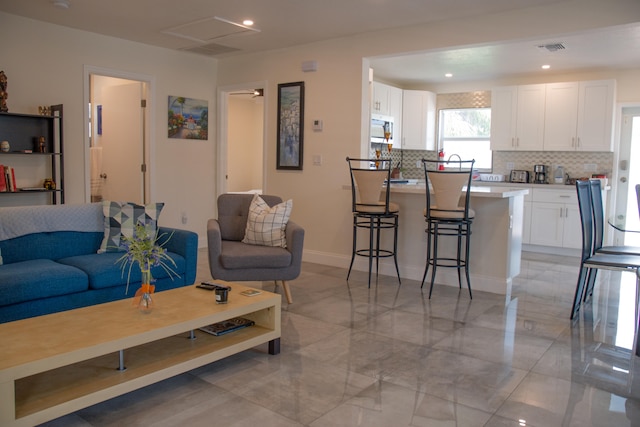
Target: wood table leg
(274, 346)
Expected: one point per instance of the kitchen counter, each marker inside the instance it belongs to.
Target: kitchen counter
(496, 240)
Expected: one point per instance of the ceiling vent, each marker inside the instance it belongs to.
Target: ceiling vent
(208, 30)
(552, 47)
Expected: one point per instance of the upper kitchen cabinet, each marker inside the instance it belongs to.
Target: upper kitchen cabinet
(579, 116)
(517, 118)
(418, 120)
(386, 100)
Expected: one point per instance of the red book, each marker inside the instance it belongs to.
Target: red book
(13, 180)
(3, 181)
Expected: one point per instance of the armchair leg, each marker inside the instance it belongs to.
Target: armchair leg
(287, 290)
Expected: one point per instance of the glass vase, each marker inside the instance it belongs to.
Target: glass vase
(145, 303)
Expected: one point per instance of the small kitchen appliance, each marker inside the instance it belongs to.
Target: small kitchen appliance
(519, 176)
(540, 174)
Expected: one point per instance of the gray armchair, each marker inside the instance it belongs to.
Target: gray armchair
(232, 260)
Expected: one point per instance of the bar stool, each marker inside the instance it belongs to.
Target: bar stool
(369, 212)
(446, 217)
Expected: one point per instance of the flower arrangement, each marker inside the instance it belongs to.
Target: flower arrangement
(143, 249)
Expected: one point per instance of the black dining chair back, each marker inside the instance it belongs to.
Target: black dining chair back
(591, 261)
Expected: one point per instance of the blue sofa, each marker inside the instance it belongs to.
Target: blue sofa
(49, 261)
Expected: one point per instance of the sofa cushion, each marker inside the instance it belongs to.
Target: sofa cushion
(236, 255)
(120, 219)
(266, 225)
(37, 279)
(105, 271)
(49, 245)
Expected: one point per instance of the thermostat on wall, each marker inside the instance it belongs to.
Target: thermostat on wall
(317, 125)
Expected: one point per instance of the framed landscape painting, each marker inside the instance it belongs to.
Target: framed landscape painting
(290, 125)
(188, 118)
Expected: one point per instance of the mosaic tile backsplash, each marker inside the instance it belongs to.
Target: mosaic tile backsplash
(576, 163)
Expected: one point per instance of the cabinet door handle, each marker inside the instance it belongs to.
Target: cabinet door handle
(578, 142)
(517, 141)
(573, 141)
(513, 142)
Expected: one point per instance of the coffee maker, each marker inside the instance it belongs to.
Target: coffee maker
(540, 174)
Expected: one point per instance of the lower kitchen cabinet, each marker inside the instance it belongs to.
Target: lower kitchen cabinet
(555, 218)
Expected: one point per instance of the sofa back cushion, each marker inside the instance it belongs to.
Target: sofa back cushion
(233, 211)
(50, 245)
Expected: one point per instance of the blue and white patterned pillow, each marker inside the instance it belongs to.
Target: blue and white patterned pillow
(120, 219)
(266, 225)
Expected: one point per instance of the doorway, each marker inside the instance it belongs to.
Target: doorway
(242, 136)
(626, 208)
(118, 136)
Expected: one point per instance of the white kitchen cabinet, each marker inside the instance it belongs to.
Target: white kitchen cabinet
(418, 120)
(517, 118)
(555, 219)
(386, 100)
(579, 116)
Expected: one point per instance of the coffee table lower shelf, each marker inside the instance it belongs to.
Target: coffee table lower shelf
(49, 394)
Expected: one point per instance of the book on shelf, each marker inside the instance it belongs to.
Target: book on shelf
(9, 176)
(3, 180)
(226, 326)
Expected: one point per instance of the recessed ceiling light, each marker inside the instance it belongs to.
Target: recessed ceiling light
(546, 67)
(248, 22)
(448, 75)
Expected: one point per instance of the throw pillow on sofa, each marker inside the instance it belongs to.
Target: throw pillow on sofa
(266, 225)
(120, 219)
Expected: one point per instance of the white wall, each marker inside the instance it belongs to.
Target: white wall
(44, 64)
(335, 94)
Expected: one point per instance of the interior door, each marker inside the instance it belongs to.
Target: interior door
(122, 142)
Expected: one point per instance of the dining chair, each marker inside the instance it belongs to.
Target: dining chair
(590, 260)
(371, 211)
(450, 181)
(598, 234)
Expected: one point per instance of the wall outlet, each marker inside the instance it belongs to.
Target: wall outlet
(183, 217)
(510, 166)
(317, 160)
(419, 164)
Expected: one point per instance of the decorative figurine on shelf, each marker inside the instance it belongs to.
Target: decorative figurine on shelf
(49, 184)
(42, 145)
(5, 147)
(3, 93)
(43, 110)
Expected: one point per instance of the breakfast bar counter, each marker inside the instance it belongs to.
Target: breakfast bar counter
(496, 239)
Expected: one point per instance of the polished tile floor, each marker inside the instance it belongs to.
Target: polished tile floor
(388, 356)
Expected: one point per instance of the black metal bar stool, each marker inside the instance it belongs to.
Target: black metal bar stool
(368, 178)
(445, 216)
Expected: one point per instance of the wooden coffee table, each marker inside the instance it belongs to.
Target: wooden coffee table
(59, 363)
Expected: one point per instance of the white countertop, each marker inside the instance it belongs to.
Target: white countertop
(493, 191)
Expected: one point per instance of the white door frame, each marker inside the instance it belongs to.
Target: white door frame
(149, 123)
(223, 117)
(610, 236)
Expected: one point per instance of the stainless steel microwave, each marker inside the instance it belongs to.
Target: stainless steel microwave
(379, 125)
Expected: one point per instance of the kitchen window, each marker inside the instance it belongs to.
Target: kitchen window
(467, 133)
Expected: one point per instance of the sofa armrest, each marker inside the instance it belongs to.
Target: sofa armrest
(295, 242)
(184, 243)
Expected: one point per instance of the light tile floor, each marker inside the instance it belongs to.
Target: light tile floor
(388, 356)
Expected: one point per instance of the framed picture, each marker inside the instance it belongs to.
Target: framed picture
(188, 118)
(290, 125)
